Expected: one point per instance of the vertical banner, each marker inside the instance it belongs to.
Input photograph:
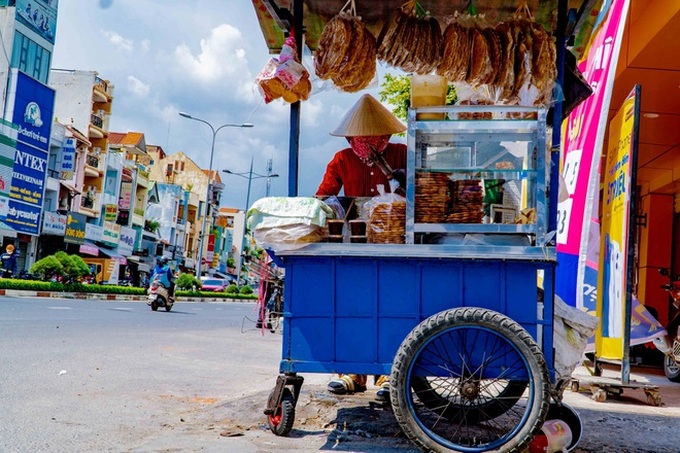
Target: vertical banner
(30, 104)
(582, 150)
(614, 295)
(68, 158)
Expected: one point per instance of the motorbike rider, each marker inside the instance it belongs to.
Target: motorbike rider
(166, 276)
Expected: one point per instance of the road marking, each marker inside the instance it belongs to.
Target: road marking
(121, 309)
(60, 308)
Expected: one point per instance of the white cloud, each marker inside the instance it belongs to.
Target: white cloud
(121, 43)
(313, 114)
(137, 87)
(220, 55)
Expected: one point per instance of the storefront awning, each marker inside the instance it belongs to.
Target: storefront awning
(70, 188)
(141, 266)
(108, 252)
(7, 231)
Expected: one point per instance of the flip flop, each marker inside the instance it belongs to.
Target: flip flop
(345, 385)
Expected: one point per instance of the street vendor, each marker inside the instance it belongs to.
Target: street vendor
(369, 161)
(359, 169)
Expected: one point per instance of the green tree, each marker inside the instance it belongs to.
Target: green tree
(47, 267)
(396, 91)
(73, 265)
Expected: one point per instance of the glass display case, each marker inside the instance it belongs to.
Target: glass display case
(478, 176)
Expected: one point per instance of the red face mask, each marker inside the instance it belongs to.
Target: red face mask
(362, 146)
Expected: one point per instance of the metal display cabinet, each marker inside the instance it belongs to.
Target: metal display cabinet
(485, 144)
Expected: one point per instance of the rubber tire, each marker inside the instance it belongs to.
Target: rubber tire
(505, 399)
(154, 306)
(487, 322)
(168, 307)
(671, 368)
(281, 422)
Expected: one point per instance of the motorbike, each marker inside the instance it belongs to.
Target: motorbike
(671, 344)
(159, 296)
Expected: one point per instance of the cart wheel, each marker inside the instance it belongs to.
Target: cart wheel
(281, 421)
(154, 306)
(435, 394)
(469, 379)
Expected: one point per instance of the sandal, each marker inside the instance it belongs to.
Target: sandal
(344, 385)
(383, 393)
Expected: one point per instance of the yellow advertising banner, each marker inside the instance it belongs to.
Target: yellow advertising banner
(613, 298)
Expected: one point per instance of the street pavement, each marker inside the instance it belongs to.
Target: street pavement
(88, 375)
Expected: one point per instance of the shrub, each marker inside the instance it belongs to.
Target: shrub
(245, 290)
(74, 266)
(231, 289)
(47, 267)
(187, 282)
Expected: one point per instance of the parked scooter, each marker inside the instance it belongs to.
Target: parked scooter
(159, 296)
(671, 344)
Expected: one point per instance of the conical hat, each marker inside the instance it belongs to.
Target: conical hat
(368, 118)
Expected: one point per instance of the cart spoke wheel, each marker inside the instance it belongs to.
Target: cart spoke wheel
(281, 421)
(470, 380)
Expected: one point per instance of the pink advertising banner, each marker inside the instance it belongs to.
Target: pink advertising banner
(582, 150)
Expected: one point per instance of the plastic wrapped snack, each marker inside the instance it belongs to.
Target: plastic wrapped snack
(287, 223)
(386, 218)
(284, 77)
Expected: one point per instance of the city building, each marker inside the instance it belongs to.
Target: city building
(27, 110)
(179, 169)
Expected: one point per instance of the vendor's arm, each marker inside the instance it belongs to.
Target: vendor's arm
(332, 182)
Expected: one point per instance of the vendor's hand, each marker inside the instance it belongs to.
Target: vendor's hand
(399, 175)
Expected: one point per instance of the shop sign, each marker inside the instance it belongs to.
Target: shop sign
(54, 223)
(110, 212)
(89, 249)
(582, 149)
(68, 157)
(8, 145)
(93, 232)
(31, 107)
(125, 196)
(75, 228)
(123, 217)
(39, 17)
(111, 234)
(127, 240)
(614, 296)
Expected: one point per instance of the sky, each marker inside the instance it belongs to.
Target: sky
(200, 57)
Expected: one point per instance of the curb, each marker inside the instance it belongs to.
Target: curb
(105, 297)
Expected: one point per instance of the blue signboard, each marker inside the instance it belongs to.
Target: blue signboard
(31, 106)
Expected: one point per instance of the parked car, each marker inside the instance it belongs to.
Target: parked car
(214, 284)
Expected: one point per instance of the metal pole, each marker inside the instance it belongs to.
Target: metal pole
(250, 180)
(199, 264)
(245, 227)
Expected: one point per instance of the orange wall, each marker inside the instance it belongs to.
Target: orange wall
(656, 240)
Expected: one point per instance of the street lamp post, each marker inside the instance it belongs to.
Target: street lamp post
(207, 195)
(249, 175)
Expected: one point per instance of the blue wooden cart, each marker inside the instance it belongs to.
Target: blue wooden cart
(463, 328)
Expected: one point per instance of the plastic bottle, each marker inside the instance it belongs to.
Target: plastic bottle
(555, 437)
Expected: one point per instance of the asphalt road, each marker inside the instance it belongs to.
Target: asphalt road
(94, 376)
(79, 376)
